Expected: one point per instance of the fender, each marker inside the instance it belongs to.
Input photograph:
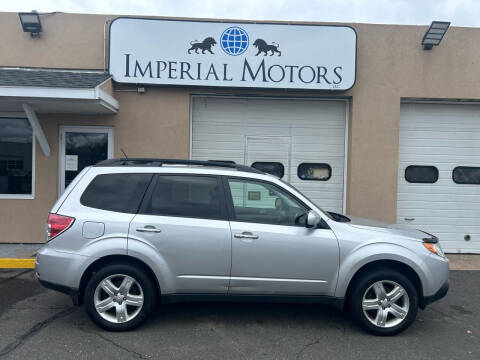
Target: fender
(370, 252)
(97, 249)
(145, 252)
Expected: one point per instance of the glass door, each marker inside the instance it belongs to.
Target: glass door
(82, 146)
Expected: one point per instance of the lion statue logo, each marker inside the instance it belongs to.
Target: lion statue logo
(262, 46)
(205, 45)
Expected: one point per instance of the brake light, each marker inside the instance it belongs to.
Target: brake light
(56, 224)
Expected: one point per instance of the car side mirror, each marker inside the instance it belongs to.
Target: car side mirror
(313, 219)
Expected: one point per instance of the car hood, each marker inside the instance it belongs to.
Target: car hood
(394, 229)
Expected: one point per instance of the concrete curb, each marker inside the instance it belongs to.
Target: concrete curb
(12, 263)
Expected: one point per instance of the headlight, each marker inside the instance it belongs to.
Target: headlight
(434, 248)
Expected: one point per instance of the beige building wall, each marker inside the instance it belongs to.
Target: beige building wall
(391, 66)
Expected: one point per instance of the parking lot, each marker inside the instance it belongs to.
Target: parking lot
(36, 323)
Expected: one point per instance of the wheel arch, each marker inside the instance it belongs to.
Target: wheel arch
(114, 259)
(401, 267)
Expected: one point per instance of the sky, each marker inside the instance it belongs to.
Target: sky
(418, 12)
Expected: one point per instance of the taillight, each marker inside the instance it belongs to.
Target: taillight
(57, 224)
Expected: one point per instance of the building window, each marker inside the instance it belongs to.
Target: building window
(16, 157)
(275, 168)
(466, 175)
(314, 171)
(421, 174)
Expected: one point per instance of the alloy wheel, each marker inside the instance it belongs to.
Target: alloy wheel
(118, 298)
(385, 303)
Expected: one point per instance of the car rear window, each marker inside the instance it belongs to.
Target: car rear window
(116, 192)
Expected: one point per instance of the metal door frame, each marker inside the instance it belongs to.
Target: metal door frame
(61, 147)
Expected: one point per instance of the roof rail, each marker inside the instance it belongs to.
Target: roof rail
(160, 162)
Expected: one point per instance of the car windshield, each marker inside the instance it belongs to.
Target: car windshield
(326, 213)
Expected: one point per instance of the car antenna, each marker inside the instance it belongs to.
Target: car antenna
(124, 154)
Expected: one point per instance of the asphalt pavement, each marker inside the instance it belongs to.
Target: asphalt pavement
(36, 323)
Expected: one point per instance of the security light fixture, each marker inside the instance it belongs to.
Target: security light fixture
(434, 34)
(31, 22)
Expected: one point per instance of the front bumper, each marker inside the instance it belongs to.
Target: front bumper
(442, 292)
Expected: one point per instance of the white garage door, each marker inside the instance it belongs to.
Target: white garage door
(270, 132)
(441, 140)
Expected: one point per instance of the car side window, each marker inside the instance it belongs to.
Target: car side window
(262, 202)
(192, 196)
(120, 192)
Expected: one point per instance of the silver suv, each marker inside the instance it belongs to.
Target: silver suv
(129, 233)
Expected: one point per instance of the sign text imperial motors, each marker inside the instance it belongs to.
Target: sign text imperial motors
(164, 52)
(262, 72)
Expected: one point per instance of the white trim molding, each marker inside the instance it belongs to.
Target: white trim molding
(37, 129)
(95, 95)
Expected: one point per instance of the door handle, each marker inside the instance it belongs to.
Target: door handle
(409, 219)
(246, 235)
(149, 228)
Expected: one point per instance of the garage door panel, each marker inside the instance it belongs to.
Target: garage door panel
(444, 136)
(220, 127)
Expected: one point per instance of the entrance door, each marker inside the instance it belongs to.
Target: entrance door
(82, 146)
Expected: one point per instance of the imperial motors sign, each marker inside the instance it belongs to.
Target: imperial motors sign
(201, 53)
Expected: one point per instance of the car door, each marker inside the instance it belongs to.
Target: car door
(184, 218)
(273, 252)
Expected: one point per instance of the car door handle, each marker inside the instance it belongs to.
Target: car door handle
(246, 235)
(409, 219)
(149, 228)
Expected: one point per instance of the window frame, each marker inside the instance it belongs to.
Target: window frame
(151, 188)
(464, 167)
(421, 182)
(269, 162)
(30, 196)
(231, 208)
(314, 163)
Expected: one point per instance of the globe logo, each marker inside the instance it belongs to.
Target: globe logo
(234, 41)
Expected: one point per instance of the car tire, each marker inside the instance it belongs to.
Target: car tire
(119, 297)
(386, 312)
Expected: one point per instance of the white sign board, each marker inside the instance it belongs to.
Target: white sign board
(201, 53)
(71, 162)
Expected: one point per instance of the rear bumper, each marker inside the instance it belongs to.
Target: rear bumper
(426, 300)
(73, 293)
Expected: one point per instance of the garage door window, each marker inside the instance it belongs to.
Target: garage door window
(466, 175)
(314, 171)
(275, 168)
(421, 174)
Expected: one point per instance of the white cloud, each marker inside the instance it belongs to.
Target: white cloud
(459, 12)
